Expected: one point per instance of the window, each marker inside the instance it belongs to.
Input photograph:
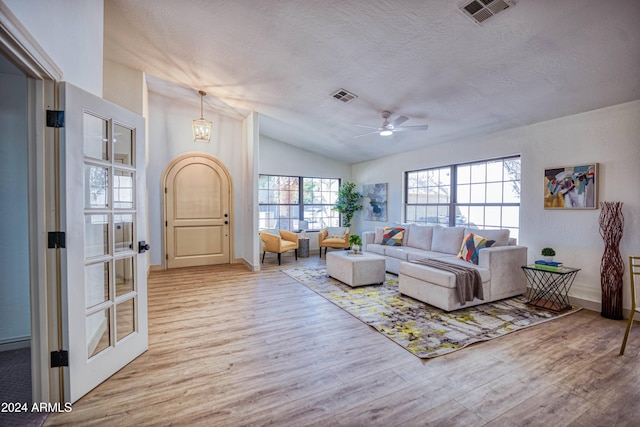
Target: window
(286, 200)
(481, 194)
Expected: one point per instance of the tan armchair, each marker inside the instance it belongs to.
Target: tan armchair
(332, 242)
(286, 241)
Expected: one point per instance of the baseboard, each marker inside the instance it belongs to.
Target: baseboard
(158, 267)
(585, 303)
(597, 307)
(250, 266)
(15, 343)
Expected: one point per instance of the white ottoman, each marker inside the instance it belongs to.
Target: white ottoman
(356, 270)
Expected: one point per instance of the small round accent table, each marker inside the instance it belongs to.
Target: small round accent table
(303, 247)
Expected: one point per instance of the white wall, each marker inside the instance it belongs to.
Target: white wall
(251, 134)
(170, 135)
(280, 158)
(124, 86)
(610, 136)
(14, 210)
(71, 33)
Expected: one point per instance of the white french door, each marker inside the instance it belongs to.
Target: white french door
(103, 209)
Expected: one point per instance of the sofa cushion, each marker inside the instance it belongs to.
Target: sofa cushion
(396, 252)
(471, 246)
(440, 277)
(419, 254)
(447, 239)
(379, 233)
(428, 274)
(393, 236)
(337, 232)
(485, 273)
(403, 253)
(333, 241)
(376, 248)
(501, 236)
(420, 236)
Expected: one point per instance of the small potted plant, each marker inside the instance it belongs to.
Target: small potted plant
(548, 254)
(356, 242)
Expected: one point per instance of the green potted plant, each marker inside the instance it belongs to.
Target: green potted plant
(356, 243)
(548, 253)
(348, 202)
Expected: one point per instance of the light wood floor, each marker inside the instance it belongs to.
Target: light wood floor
(229, 347)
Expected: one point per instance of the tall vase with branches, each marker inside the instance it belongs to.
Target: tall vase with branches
(348, 203)
(611, 266)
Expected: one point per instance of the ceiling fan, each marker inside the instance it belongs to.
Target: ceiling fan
(388, 128)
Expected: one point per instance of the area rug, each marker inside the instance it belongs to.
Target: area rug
(424, 330)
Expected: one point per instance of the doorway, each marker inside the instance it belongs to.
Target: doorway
(197, 212)
(15, 275)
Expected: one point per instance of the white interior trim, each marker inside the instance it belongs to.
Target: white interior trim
(42, 73)
(23, 49)
(15, 343)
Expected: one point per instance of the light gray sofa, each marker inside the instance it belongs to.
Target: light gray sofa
(498, 265)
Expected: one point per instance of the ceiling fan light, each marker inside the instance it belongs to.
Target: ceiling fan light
(386, 132)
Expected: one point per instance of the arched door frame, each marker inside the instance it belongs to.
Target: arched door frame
(163, 185)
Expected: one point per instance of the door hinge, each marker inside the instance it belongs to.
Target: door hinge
(166, 256)
(59, 358)
(165, 190)
(166, 223)
(57, 239)
(55, 119)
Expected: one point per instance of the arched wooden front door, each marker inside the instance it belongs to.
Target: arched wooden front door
(197, 207)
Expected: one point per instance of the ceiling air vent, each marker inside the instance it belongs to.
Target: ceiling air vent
(481, 10)
(344, 95)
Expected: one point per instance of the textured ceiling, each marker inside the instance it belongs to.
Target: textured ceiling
(535, 61)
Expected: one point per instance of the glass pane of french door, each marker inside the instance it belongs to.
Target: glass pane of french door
(110, 224)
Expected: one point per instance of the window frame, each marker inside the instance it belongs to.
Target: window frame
(301, 192)
(455, 209)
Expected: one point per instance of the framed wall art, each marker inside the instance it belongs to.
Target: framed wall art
(571, 187)
(374, 202)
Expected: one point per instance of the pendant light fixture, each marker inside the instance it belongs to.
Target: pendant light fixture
(201, 127)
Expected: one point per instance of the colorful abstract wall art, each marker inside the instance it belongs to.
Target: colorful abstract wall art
(374, 198)
(571, 187)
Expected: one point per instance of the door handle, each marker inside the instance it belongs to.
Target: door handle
(143, 247)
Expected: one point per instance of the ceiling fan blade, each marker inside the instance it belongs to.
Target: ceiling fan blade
(368, 127)
(399, 120)
(368, 133)
(410, 128)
